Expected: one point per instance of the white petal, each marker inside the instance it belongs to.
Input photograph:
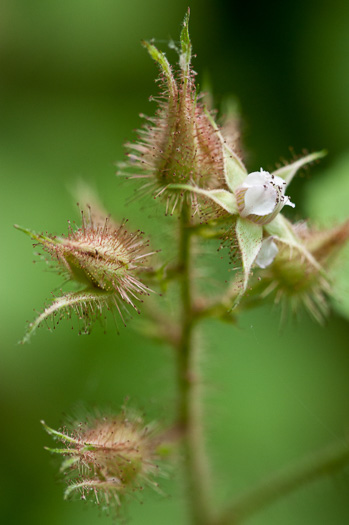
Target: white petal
(267, 253)
(260, 200)
(256, 178)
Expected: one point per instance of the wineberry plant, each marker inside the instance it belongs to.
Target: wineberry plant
(192, 165)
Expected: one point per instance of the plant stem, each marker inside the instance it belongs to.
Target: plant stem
(323, 463)
(188, 408)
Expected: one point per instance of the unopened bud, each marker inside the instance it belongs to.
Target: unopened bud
(301, 270)
(180, 144)
(104, 260)
(108, 457)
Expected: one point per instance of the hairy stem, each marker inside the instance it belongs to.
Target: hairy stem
(188, 407)
(323, 463)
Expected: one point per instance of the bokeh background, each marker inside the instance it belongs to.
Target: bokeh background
(74, 78)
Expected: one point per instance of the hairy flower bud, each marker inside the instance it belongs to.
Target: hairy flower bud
(180, 144)
(301, 273)
(108, 457)
(104, 260)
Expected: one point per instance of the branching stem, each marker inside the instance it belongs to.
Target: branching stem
(323, 463)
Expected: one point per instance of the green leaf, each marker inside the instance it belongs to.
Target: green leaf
(186, 47)
(288, 172)
(223, 198)
(249, 237)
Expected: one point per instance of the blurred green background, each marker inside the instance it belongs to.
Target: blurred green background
(74, 78)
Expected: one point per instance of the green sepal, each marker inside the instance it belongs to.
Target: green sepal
(288, 172)
(70, 451)
(223, 198)
(234, 169)
(186, 47)
(69, 462)
(161, 59)
(249, 237)
(38, 237)
(58, 435)
(94, 484)
(73, 300)
(281, 229)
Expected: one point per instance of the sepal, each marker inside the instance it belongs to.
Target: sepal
(289, 171)
(249, 237)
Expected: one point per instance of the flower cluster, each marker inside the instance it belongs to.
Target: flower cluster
(195, 166)
(254, 201)
(183, 154)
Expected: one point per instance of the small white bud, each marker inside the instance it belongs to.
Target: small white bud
(267, 253)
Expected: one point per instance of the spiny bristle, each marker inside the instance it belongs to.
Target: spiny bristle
(108, 457)
(295, 280)
(104, 259)
(179, 145)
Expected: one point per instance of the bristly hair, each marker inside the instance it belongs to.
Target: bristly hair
(107, 458)
(104, 260)
(296, 279)
(180, 144)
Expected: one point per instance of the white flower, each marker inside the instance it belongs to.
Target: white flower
(261, 196)
(255, 201)
(267, 253)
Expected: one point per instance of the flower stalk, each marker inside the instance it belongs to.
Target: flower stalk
(188, 404)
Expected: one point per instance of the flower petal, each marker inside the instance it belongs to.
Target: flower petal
(259, 200)
(256, 178)
(267, 253)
